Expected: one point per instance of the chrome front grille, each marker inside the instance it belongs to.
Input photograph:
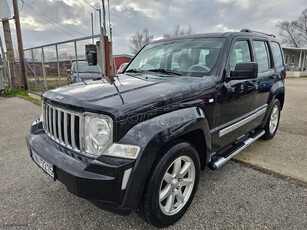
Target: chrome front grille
(63, 126)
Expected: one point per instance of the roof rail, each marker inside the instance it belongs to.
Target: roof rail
(256, 32)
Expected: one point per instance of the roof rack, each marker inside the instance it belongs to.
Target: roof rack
(256, 32)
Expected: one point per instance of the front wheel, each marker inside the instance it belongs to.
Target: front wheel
(272, 123)
(171, 186)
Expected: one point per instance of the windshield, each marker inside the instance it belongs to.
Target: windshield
(85, 68)
(186, 57)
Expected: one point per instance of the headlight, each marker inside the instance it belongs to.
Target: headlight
(98, 133)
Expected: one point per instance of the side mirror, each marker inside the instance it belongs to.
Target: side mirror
(91, 58)
(68, 71)
(245, 70)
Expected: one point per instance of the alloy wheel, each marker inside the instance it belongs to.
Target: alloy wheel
(177, 185)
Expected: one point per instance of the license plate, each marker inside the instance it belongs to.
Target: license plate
(46, 166)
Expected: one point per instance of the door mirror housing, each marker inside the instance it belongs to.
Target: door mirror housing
(244, 70)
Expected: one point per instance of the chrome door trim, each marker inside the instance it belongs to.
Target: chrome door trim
(242, 122)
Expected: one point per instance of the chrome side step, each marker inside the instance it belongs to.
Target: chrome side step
(217, 163)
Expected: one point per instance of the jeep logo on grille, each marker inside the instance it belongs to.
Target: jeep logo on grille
(59, 97)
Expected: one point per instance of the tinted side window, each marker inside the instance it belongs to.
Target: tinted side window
(277, 55)
(262, 56)
(240, 53)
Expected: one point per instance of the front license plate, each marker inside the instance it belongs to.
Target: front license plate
(46, 166)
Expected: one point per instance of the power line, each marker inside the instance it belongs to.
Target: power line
(57, 22)
(51, 20)
(23, 4)
(89, 4)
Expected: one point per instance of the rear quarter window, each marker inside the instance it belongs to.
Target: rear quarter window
(262, 56)
(277, 55)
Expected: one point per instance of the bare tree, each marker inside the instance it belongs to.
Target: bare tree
(139, 39)
(294, 33)
(301, 24)
(178, 31)
(50, 55)
(288, 34)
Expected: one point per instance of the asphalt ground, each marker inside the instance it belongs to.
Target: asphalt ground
(234, 197)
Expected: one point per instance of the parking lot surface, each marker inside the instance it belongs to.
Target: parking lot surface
(234, 197)
(286, 153)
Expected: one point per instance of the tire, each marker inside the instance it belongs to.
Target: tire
(174, 178)
(272, 123)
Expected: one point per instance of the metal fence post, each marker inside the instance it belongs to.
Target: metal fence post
(44, 70)
(34, 73)
(58, 64)
(26, 72)
(77, 65)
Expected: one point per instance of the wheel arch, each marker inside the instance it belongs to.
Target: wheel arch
(159, 133)
(197, 139)
(281, 98)
(277, 92)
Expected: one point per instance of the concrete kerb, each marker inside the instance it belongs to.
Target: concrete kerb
(34, 95)
(270, 171)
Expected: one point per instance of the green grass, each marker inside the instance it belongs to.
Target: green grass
(37, 84)
(17, 92)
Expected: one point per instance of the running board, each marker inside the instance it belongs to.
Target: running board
(217, 163)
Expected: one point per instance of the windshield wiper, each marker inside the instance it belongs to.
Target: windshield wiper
(169, 72)
(134, 71)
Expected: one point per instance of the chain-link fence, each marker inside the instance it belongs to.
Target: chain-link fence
(46, 66)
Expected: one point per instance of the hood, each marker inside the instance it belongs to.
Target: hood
(128, 94)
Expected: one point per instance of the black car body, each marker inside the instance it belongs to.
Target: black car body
(155, 113)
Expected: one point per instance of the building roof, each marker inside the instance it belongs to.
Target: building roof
(295, 48)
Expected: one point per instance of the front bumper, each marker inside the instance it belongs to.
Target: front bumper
(101, 180)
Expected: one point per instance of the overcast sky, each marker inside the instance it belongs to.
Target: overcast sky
(159, 16)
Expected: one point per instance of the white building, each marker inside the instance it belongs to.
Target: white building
(296, 61)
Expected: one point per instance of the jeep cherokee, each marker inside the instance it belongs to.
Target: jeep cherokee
(139, 141)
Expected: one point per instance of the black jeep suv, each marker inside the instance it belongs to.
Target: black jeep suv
(139, 142)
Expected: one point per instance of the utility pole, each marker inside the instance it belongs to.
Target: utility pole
(104, 17)
(20, 47)
(9, 50)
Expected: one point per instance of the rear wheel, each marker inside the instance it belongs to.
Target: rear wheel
(273, 121)
(171, 186)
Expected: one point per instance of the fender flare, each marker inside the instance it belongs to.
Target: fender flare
(277, 91)
(151, 136)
